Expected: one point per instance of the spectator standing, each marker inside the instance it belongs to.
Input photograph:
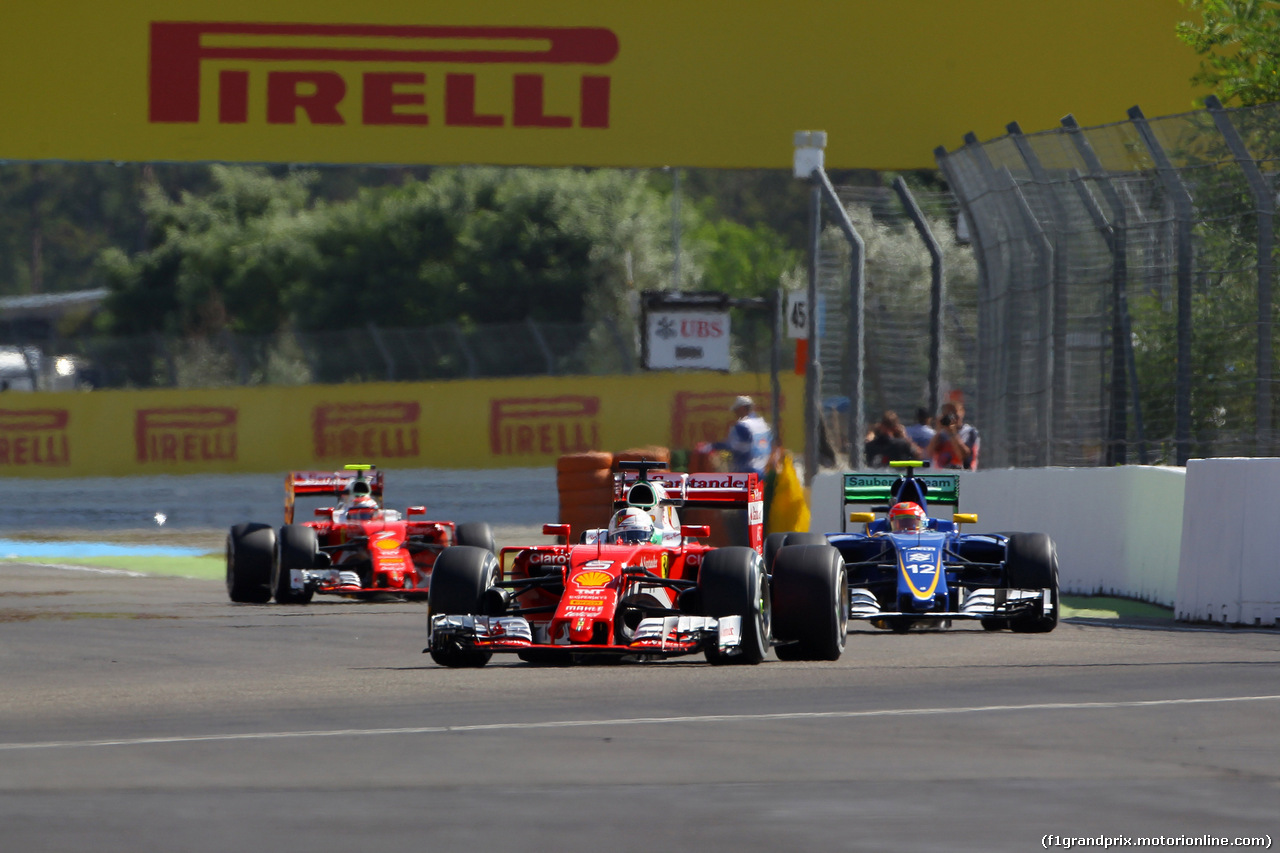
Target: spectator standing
(749, 441)
(888, 442)
(920, 432)
(955, 444)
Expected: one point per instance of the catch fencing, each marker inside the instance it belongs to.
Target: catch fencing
(1124, 307)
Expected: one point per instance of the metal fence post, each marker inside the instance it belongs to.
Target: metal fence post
(1057, 367)
(1266, 212)
(381, 346)
(813, 367)
(1042, 247)
(936, 286)
(978, 238)
(1123, 363)
(541, 342)
(1184, 213)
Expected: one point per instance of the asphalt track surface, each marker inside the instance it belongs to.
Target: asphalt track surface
(149, 713)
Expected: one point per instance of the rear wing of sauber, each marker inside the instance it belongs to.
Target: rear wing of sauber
(878, 489)
(326, 483)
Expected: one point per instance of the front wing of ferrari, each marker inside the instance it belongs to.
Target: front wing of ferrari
(658, 635)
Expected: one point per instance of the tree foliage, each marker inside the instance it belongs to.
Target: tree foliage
(1239, 45)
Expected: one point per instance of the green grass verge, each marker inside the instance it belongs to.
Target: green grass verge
(208, 567)
(1102, 607)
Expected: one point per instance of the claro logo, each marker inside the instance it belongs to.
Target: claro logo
(284, 73)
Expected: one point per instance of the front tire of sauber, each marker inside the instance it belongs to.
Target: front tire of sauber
(1031, 562)
(810, 602)
(297, 548)
(251, 552)
(458, 583)
(476, 534)
(733, 582)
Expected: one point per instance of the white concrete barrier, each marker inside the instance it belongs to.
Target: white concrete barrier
(1230, 568)
(1118, 530)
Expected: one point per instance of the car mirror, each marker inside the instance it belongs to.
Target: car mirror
(556, 530)
(416, 510)
(965, 518)
(862, 517)
(694, 530)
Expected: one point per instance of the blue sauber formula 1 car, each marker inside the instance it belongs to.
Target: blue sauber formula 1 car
(935, 574)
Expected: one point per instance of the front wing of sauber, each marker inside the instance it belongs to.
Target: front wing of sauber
(658, 635)
(976, 603)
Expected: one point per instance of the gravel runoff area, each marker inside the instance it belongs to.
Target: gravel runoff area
(198, 509)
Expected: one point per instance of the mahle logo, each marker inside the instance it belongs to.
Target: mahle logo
(379, 75)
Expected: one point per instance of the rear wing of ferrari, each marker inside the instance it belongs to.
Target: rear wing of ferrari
(690, 491)
(327, 484)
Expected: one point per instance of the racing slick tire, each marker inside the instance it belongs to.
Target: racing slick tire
(775, 541)
(994, 623)
(297, 548)
(477, 534)
(459, 580)
(810, 602)
(1031, 562)
(251, 552)
(733, 583)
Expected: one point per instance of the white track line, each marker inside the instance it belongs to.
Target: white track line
(638, 721)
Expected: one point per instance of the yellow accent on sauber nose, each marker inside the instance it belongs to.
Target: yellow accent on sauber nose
(916, 591)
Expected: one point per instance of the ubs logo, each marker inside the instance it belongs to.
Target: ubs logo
(543, 425)
(186, 434)
(277, 72)
(365, 430)
(34, 437)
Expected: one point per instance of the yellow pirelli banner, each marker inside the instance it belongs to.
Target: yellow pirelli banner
(497, 423)
(572, 82)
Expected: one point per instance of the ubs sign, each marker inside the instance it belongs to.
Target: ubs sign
(695, 339)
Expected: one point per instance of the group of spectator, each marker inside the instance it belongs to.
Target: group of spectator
(942, 442)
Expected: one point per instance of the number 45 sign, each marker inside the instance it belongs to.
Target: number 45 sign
(799, 316)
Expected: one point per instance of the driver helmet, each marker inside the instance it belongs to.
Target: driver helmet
(359, 489)
(363, 509)
(630, 526)
(907, 517)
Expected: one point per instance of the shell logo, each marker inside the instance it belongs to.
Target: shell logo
(592, 578)
(386, 544)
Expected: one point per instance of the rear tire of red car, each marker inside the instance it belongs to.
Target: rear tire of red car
(1031, 562)
(477, 534)
(733, 583)
(251, 552)
(810, 602)
(774, 542)
(458, 583)
(297, 548)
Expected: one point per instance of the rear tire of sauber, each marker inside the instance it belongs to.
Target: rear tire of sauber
(1031, 562)
(477, 534)
(810, 602)
(251, 552)
(297, 548)
(459, 580)
(733, 583)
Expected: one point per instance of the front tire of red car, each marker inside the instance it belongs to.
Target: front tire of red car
(459, 580)
(733, 583)
(297, 548)
(251, 552)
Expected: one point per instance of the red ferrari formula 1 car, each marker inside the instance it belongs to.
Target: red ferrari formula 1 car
(356, 549)
(642, 588)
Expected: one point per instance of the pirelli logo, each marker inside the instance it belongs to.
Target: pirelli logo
(366, 74)
(34, 437)
(186, 434)
(541, 426)
(366, 430)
